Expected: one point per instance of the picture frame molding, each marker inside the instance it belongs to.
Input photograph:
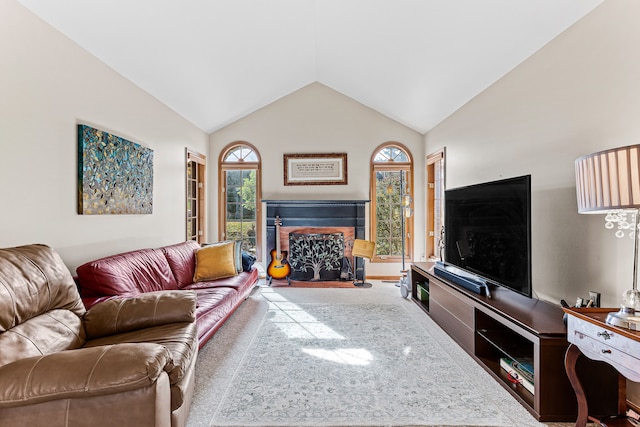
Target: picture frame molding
(315, 169)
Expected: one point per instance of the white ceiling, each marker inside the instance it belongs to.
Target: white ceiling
(215, 61)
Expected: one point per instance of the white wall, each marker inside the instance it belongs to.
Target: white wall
(48, 85)
(317, 119)
(577, 95)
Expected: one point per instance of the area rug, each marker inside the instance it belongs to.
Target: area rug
(319, 364)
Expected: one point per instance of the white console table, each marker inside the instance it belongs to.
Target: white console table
(589, 335)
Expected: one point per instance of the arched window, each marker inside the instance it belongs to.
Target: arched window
(391, 187)
(239, 196)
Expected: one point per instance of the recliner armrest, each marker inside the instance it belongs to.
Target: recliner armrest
(145, 310)
(82, 372)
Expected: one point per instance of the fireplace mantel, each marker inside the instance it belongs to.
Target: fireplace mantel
(312, 197)
(317, 213)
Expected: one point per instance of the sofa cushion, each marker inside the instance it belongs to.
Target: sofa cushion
(180, 338)
(81, 373)
(214, 305)
(54, 331)
(215, 262)
(143, 270)
(182, 260)
(40, 308)
(236, 282)
(33, 281)
(146, 310)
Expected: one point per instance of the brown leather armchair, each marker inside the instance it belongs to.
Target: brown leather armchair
(125, 362)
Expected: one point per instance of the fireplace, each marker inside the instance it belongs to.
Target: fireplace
(328, 226)
(317, 256)
(317, 253)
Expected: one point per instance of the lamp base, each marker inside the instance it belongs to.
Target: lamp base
(631, 299)
(625, 318)
(405, 286)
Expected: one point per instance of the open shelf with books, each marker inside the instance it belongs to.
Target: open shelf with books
(419, 287)
(508, 344)
(509, 355)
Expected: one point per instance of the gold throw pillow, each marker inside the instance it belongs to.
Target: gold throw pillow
(215, 262)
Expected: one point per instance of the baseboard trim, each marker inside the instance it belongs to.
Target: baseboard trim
(383, 277)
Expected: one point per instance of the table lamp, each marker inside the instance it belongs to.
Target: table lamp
(608, 182)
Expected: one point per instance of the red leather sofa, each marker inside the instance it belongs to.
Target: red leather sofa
(166, 268)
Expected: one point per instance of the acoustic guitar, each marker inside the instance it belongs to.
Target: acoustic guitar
(279, 267)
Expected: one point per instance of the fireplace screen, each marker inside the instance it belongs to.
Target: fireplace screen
(316, 257)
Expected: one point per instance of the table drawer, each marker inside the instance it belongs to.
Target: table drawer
(606, 345)
(605, 336)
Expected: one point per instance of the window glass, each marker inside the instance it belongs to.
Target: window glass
(241, 208)
(240, 196)
(392, 178)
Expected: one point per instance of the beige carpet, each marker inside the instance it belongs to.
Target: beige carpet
(220, 362)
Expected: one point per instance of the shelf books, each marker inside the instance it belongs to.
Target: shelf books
(423, 292)
(525, 366)
(519, 372)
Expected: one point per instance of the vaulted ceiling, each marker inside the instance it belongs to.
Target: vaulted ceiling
(216, 61)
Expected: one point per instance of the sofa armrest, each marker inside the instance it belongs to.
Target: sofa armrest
(145, 310)
(82, 372)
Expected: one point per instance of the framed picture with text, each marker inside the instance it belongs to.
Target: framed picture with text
(315, 169)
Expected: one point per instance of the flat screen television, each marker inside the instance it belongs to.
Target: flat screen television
(487, 232)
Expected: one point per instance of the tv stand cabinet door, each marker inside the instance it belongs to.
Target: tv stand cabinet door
(452, 312)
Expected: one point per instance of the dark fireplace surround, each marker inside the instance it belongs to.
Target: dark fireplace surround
(317, 217)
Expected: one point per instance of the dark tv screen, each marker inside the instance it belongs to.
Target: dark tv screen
(488, 231)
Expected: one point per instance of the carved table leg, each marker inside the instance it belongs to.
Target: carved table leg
(570, 359)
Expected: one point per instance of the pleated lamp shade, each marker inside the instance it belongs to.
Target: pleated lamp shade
(609, 180)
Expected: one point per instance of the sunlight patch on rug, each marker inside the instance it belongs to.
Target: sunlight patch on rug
(352, 365)
(347, 356)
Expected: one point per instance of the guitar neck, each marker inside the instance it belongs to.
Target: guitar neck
(277, 222)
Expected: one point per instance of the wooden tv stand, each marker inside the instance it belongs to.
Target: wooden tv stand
(514, 326)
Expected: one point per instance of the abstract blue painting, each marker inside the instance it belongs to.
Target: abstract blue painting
(115, 176)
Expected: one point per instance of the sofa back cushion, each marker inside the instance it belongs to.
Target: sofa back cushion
(129, 273)
(40, 308)
(181, 259)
